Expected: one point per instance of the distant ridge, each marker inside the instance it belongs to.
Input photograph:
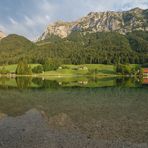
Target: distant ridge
(121, 22)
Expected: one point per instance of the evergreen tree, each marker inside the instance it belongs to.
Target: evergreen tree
(23, 68)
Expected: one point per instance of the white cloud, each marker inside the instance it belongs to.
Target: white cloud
(13, 21)
(47, 17)
(2, 28)
(29, 22)
(35, 15)
(102, 5)
(46, 6)
(30, 25)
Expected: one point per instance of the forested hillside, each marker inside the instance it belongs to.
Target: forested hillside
(78, 48)
(13, 47)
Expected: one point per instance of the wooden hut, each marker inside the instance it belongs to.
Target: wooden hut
(145, 71)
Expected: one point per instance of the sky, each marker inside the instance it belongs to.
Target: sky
(31, 17)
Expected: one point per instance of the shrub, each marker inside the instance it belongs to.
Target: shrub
(23, 68)
(38, 69)
(123, 69)
(128, 70)
(51, 64)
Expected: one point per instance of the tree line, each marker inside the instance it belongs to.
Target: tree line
(79, 48)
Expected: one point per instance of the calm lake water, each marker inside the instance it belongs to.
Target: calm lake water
(73, 112)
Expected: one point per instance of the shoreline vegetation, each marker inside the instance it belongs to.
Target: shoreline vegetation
(88, 70)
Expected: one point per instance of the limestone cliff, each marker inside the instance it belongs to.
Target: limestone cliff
(122, 22)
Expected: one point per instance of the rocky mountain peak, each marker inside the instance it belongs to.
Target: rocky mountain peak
(122, 22)
(59, 28)
(137, 9)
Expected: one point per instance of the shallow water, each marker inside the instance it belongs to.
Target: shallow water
(73, 112)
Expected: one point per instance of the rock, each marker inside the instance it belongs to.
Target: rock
(61, 29)
(122, 22)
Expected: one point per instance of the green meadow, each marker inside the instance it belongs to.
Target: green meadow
(86, 69)
(12, 68)
(74, 70)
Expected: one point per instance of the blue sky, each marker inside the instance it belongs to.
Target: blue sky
(30, 17)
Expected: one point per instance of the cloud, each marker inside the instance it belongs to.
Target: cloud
(13, 21)
(29, 22)
(33, 16)
(2, 28)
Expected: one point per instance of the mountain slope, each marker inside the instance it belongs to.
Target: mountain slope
(100, 47)
(60, 29)
(79, 48)
(14, 47)
(14, 41)
(98, 38)
(122, 22)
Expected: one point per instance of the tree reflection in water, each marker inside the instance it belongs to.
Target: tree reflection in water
(23, 82)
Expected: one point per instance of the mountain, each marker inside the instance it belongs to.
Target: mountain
(14, 47)
(15, 42)
(96, 48)
(79, 48)
(121, 22)
(60, 28)
(2, 35)
(99, 38)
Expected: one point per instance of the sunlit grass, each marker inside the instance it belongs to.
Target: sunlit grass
(12, 68)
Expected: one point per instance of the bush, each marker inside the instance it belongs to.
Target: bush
(123, 69)
(128, 70)
(38, 69)
(23, 68)
(51, 64)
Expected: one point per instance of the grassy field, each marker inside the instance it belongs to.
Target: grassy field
(12, 68)
(71, 70)
(87, 69)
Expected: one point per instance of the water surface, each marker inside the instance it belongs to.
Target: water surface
(73, 112)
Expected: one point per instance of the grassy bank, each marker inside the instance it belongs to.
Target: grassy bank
(74, 70)
(12, 68)
(66, 70)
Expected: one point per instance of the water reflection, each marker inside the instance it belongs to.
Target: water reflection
(54, 82)
(128, 82)
(104, 112)
(23, 82)
(45, 83)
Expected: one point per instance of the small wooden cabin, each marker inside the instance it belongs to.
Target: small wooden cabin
(145, 71)
(145, 81)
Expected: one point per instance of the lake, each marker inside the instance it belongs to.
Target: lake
(73, 112)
